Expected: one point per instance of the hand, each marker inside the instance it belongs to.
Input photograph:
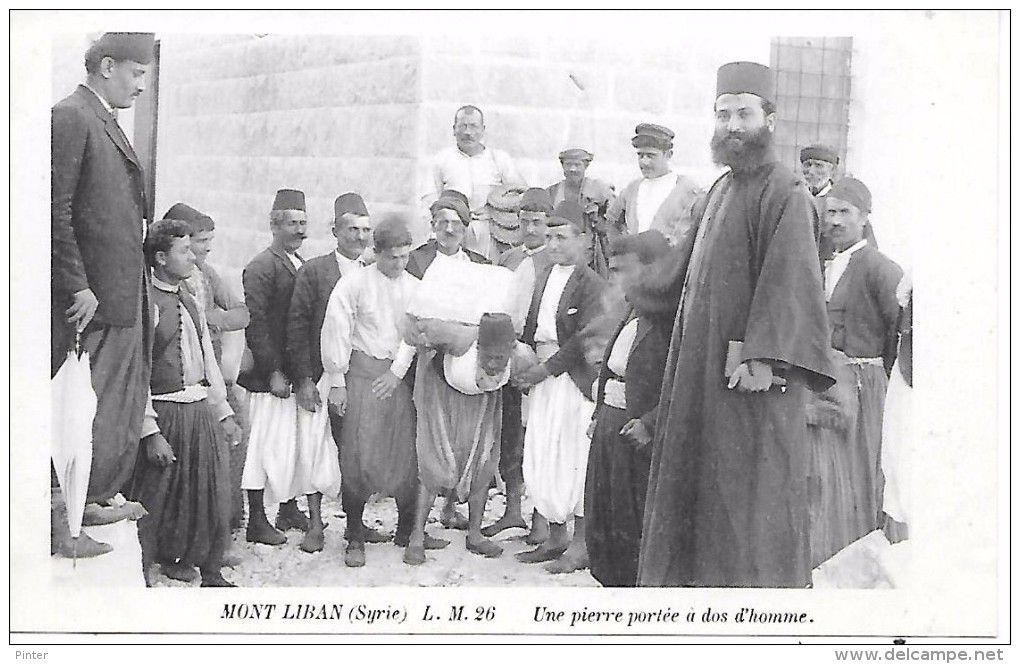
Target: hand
(534, 375)
(83, 309)
(133, 511)
(754, 376)
(231, 431)
(278, 385)
(158, 451)
(338, 400)
(383, 386)
(308, 396)
(637, 433)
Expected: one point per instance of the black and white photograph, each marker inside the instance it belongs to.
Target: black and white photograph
(511, 326)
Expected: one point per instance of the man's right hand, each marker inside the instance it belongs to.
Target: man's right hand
(158, 451)
(83, 309)
(278, 385)
(308, 396)
(338, 400)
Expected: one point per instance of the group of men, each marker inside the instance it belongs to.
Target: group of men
(693, 381)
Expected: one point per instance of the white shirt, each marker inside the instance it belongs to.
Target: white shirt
(364, 313)
(835, 268)
(473, 176)
(348, 266)
(546, 323)
(651, 194)
(617, 363)
(458, 256)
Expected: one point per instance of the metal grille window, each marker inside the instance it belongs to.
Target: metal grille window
(812, 94)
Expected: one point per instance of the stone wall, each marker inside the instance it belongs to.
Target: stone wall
(243, 116)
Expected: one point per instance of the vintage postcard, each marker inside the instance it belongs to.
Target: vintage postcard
(510, 326)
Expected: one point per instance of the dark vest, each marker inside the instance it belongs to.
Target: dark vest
(167, 358)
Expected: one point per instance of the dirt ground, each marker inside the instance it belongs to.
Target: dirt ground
(287, 566)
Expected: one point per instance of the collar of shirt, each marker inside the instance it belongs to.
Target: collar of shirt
(532, 252)
(835, 267)
(471, 156)
(345, 263)
(824, 191)
(668, 174)
(458, 255)
(846, 253)
(164, 286)
(109, 109)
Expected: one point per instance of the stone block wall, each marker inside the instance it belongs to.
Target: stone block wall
(242, 116)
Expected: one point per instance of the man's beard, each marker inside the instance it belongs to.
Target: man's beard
(751, 151)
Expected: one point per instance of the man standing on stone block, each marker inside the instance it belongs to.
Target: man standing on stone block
(315, 281)
(290, 451)
(727, 489)
(473, 169)
(661, 199)
(98, 282)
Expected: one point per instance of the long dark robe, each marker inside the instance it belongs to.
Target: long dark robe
(727, 495)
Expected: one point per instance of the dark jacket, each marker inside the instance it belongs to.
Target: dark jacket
(97, 213)
(268, 286)
(863, 311)
(512, 259)
(312, 287)
(643, 376)
(579, 305)
(422, 257)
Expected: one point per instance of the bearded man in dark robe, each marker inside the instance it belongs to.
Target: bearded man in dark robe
(727, 494)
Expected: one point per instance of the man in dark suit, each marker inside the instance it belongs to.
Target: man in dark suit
(449, 230)
(352, 228)
(98, 280)
(278, 458)
(566, 299)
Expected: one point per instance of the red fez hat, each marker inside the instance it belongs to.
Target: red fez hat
(648, 135)
(495, 331)
(351, 203)
(568, 212)
(135, 46)
(198, 221)
(736, 78)
(451, 199)
(820, 152)
(576, 153)
(536, 200)
(853, 192)
(289, 199)
(649, 246)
